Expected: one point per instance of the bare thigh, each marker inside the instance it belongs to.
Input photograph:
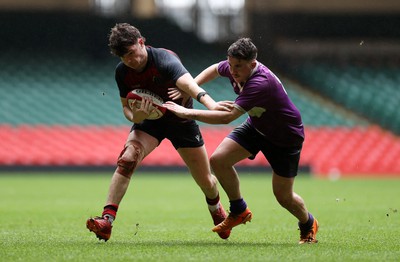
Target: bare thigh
(228, 153)
(148, 142)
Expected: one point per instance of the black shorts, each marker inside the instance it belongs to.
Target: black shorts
(181, 135)
(283, 160)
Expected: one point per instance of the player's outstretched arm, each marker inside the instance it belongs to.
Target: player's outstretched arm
(187, 84)
(206, 116)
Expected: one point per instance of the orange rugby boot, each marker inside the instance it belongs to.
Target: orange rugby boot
(233, 220)
(310, 235)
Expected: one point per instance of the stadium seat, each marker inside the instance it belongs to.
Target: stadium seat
(72, 115)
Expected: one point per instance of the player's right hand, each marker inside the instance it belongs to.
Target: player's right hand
(224, 106)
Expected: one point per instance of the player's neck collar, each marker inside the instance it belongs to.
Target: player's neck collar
(254, 69)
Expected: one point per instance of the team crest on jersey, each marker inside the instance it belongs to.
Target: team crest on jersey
(256, 111)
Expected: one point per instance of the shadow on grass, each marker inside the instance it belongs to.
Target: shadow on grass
(192, 243)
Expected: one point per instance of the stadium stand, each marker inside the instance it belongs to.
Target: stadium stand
(369, 90)
(59, 106)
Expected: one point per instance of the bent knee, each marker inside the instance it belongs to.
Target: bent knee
(129, 158)
(216, 160)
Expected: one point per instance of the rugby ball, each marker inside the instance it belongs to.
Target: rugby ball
(134, 99)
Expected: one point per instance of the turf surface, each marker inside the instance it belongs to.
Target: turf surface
(163, 217)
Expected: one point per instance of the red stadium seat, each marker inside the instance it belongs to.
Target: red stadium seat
(336, 150)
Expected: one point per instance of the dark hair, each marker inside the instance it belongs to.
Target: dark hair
(121, 37)
(244, 49)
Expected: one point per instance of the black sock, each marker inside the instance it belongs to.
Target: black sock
(308, 225)
(237, 206)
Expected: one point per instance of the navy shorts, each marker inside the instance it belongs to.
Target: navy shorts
(283, 160)
(181, 135)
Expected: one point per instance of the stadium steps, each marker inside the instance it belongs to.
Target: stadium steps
(371, 91)
(73, 118)
(317, 111)
(74, 91)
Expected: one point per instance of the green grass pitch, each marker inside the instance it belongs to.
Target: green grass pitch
(163, 217)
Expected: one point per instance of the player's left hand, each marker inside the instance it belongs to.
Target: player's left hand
(223, 106)
(175, 93)
(145, 109)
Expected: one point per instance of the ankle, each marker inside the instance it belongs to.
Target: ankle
(110, 212)
(238, 206)
(109, 218)
(308, 225)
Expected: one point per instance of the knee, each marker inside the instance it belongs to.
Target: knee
(213, 162)
(216, 161)
(129, 158)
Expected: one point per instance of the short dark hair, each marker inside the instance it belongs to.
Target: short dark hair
(244, 49)
(121, 37)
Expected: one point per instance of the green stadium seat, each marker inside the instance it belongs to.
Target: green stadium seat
(368, 90)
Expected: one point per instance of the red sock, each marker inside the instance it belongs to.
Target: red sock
(110, 210)
(212, 202)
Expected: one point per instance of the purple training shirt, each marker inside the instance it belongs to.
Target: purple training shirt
(270, 109)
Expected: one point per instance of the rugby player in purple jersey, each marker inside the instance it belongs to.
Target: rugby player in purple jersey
(273, 126)
(155, 70)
